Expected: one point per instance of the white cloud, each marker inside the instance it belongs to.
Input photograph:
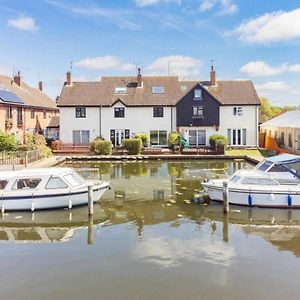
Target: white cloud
(144, 3)
(104, 63)
(261, 68)
(183, 66)
(23, 23)
(271, 27)
(225, 7)
(279, 92)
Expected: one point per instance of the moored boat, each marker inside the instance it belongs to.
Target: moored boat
(46, 188)
(274, 182)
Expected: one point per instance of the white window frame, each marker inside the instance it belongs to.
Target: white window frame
(120, 90)
(237, 110)
(198, 94)
(159, 138)
(158, 90)
(199, 110)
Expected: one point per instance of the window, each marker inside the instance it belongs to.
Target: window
(237, 137)
(158, 137)
(259, 181)
(32, 114)
(44, 114)
(120, 90)
(3, 184)
(158, 90)
(197, 94)
(119, 112)
(81, 137)
(290, 140)
(235, 179)
(19, 115)
(9, 112)
(26, 183)
(183, 88)
(56, 183)
(80, 112)
(197, 111)
(197, 137)
(158, 112)
(237, 111)
(72, 180)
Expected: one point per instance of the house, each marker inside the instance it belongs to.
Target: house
(52, 129)
(285, 129)
(119, 107)
(23, 108)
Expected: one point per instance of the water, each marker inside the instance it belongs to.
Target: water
(148, 242)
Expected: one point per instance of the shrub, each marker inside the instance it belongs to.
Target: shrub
(92, 145)
(102, 147)
(133, 146)
(173, 139)
(217, 140)
(144, 137)
(29, 141)
(56, 145)
(7, 142)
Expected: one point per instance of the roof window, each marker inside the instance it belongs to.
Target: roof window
(158, 90)
(120, 90)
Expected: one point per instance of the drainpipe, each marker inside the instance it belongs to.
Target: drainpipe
(100, 116)
(171, 118)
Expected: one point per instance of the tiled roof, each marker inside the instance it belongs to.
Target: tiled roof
(54, 122)
(288, 119)
(235, 92)
(103, 92)
(31, 96)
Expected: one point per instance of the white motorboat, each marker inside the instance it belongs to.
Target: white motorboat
(46, 188)
(274, 182)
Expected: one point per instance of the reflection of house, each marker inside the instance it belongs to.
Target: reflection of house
(23, 108)
(285, 129)
(119, 107)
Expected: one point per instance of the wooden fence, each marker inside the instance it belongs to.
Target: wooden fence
(19, 157)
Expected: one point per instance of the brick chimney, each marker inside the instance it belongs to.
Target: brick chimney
(41, 86)
(212, 76)
(139, 78)
(69, 78)
(17, 79)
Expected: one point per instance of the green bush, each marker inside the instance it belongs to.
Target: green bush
(133, 146)
(92, 146)
(144, 137)
(217, 140)
(173, 139)
(7, 142)
(102, 147)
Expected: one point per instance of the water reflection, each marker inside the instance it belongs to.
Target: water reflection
(149, 195)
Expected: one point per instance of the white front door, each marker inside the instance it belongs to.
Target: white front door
(236, 137)
(118, 135)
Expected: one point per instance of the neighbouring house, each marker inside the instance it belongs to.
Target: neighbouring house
(52, 129)
(285, 129)
(119, 107)
(24, 109)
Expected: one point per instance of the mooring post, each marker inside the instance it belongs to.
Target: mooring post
(90, 236)
(90, 199)
(225, 197)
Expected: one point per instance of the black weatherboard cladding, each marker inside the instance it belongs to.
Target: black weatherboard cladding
(184, 109)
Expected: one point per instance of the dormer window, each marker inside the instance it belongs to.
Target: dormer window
(120, 90)
(197, 94)
(158, 90)
(183, 88)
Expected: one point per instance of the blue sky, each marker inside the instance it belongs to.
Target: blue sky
(254, 39)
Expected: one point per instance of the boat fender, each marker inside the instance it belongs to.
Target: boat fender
(250, 200)
(70, 204)
(290, 200)
(32, 206)
(272, 197)
(2, 209)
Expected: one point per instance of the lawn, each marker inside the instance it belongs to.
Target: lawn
(249, 152)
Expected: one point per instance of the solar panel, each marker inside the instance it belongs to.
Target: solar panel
(8, 96)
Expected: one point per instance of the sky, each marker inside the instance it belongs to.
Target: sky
(244, 39)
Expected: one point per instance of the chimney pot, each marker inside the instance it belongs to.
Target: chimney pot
(212, 76)
(139, 78)
(41, 86)
(69, 78)
(17, 79)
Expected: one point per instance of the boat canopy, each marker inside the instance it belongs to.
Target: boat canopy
(284, 159)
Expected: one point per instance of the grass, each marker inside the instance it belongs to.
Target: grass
(249, 152)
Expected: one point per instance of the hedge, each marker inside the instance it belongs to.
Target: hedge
(133, 146)
(144, 137)
(102, 147)
(217, 140)
(92, 145)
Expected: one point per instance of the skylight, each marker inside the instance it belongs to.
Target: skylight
(158, 90)
(120, 90)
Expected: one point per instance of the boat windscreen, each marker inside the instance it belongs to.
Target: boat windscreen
(294, 168)
(264, 166)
